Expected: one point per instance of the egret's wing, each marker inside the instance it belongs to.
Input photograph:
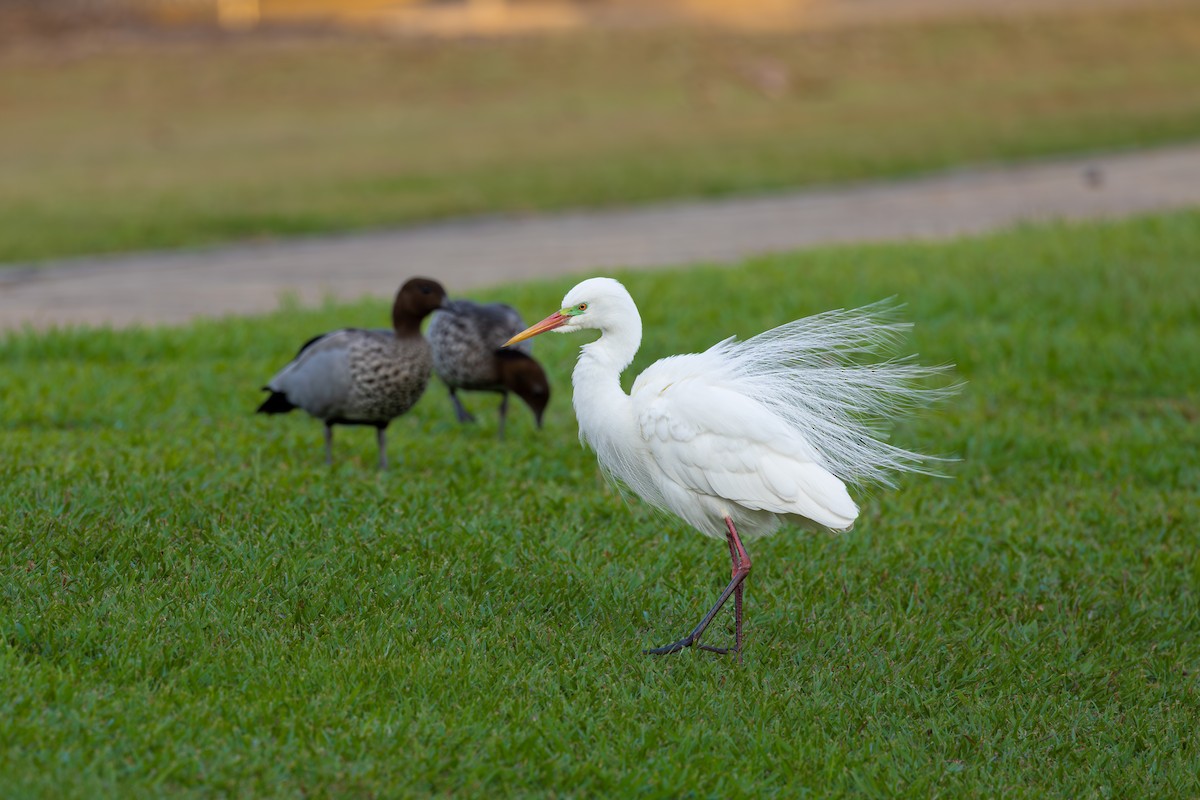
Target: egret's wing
(713, 440)
(823, 377)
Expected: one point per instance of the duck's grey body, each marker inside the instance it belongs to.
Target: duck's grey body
(356, 376)
(465, 340)
(468, 353)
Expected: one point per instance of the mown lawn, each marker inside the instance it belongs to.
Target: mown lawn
(147, 146)
(192, 604)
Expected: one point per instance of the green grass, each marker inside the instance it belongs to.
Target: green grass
(192, 604)
(149, 146)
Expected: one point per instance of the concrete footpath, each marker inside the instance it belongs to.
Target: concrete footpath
(173, 287)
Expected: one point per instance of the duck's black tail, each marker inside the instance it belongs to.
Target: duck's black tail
(277, 403)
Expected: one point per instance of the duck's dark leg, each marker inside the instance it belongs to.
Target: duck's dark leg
(329, 443)
(381, 437)
(741, 568)
(503, 411)
(460, 412)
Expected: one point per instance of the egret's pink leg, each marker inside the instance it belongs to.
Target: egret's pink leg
(737, 555)
(741, 568)
(736, 560)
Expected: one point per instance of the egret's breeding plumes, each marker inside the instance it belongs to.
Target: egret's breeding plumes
(354, 376)
(469, 354)
(746, 435)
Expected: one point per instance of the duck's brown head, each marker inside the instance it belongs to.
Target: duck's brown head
(415, 300)
(525, 378)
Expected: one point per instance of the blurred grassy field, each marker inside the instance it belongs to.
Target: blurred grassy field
(192, 605)
(146, 146)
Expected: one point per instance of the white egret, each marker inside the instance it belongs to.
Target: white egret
(746, 435)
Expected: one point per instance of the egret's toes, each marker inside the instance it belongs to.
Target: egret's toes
(673, 647)
(690, 641)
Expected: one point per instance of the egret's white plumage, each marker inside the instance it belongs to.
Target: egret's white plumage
(746, 435)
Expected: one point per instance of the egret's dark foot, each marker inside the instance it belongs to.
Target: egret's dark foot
(667, 649)
(740, 569)
(686, 642)
(693, 638)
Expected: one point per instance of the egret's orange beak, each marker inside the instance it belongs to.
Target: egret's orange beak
(548, 324)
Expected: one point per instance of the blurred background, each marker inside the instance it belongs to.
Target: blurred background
(145, 124)
(506, 17)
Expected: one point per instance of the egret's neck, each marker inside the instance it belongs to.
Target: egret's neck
(600, 402)
(615, 348)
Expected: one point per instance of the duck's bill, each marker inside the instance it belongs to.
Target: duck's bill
(555, 320)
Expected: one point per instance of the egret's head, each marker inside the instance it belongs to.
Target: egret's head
(596, 303)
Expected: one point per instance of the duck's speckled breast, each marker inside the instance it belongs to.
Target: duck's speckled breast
(388, 375)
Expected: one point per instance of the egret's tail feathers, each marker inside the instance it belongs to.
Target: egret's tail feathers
(816, 373)
(818, 495)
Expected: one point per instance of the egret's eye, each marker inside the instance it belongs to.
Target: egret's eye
(582, 306)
